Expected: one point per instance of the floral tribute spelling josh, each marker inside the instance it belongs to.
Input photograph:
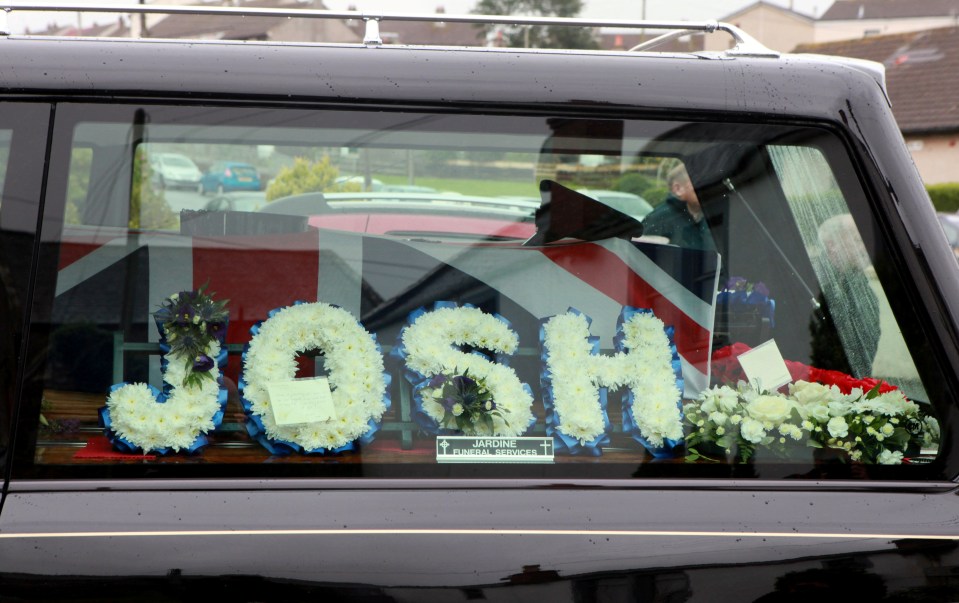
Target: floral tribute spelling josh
(137, 417)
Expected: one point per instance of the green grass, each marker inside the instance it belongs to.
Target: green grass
(481, 188)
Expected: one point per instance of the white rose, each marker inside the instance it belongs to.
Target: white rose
(837, 427)
(806, 393)
(770, 409)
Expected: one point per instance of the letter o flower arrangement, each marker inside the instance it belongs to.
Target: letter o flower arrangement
(353, 361)
(575, 379)
(138, 417)
(459, 391)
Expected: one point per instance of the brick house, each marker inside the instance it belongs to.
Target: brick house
(921, 69)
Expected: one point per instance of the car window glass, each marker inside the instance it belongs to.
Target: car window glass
(421, 294)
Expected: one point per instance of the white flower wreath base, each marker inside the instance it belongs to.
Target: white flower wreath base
(354, 364)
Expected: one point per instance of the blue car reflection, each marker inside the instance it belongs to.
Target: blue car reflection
(226, 176)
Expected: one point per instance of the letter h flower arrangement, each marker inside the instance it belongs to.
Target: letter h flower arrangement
(576, 377)
(138, 417)
(868, 421)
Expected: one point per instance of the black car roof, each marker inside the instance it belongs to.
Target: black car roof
(814, 87)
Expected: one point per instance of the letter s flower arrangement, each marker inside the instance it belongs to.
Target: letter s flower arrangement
(137, 416)
(462, 391)
(871, 427)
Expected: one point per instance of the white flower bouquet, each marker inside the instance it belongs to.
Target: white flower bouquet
(870, 427)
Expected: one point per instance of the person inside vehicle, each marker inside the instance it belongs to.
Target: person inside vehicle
(680, 217)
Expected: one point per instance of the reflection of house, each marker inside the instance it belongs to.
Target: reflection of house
(774, 26)
(847, 19)
(257, 28)
(783, 29)
(921, 70)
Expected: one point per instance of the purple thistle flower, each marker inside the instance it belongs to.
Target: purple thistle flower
(736, 283)
(437, 381)
(203, 363)
(217, 330)
(462, 382)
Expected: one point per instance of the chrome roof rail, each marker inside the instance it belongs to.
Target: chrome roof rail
(745, 44)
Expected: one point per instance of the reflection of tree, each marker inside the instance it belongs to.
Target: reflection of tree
(540, 37)
(148, 207)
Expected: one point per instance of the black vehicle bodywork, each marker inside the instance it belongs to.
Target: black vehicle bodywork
(371, 539)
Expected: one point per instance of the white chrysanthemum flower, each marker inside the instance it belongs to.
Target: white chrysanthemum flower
(752, 431)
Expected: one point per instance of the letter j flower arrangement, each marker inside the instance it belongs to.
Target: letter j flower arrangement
(137, 416)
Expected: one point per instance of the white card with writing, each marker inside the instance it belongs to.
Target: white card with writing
(764, 366)
(301, 401)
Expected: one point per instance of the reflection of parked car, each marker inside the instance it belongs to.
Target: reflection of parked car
(226, 176)
(375, 185)
(407, 214)
(237, 201)
(950, 225)
(172, 170)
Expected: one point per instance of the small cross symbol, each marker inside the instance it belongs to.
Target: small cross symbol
(444, 445)
(546, 444)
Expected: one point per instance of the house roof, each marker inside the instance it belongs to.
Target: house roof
(842, 10)
(246, 28)
(762, 3)
(921, 70)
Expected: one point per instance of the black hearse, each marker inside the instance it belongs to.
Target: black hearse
(483, 384)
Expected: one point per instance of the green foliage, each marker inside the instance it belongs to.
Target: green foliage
(307, 177)
(148, 207)
(540, 37)
(945, 197)
(78, 183)
(656, 195)
(634, 183)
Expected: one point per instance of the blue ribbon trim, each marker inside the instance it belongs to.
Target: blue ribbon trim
(418, 381)
(161, 396)
(278, 447)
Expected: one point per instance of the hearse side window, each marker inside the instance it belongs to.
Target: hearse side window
(23, 137)
(276, 292)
